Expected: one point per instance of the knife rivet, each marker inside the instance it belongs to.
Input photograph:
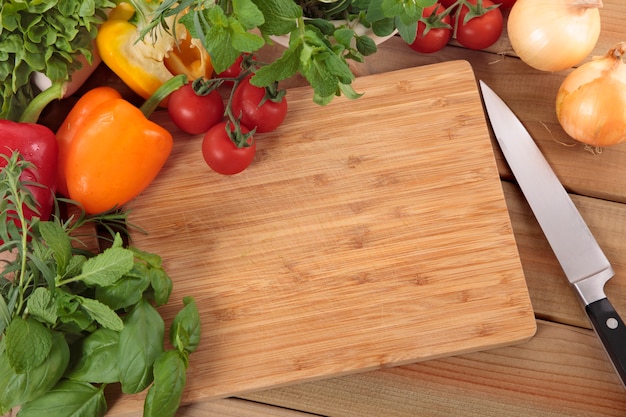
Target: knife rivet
(612, 323)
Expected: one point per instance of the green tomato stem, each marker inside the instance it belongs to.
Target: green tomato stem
(167, 88)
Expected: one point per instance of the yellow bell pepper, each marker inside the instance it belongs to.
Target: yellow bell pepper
(145, 64)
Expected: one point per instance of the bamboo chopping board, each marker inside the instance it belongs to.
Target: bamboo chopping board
(366, 233)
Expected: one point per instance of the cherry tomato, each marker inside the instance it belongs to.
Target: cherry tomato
(447, 3)
(233, 71)
(439, 30)
(482, 31)
(193, 113)
(260, 108)
(220, 152)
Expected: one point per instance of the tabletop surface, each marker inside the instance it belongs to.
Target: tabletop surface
(562, 370)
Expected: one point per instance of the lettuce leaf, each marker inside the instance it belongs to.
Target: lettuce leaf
(45, 36)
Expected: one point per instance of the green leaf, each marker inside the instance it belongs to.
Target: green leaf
(68, 399)
(185, 329)
(28, 343)
(40, 305)
(5, 315)
(102, 314)
(247, 13)
(97, 358)
(59, 242)
(280, 16)
(126, 292)
(16, 389)
(281, 69)
(161, 284)
(141, 342)
(170, 377)
(107, 267)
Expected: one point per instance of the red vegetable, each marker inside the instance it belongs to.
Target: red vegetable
(195, 107)
(263, 109)
(38, 145)
(479, 26)
(434, 30)
(223, 154)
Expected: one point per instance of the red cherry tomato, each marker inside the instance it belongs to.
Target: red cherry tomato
(447, 3)
(220, 152)
(482, 31)
(233, 71)
(193, 113)
(438, 30)
(257, 107)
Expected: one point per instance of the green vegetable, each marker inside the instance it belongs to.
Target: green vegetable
(44, 36)
(72, 321)
(317, 50)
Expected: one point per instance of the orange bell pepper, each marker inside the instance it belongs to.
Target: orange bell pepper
(109, 150)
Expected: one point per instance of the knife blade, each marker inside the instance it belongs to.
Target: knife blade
(584, 263)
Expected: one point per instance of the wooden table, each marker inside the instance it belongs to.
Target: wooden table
(562, 370)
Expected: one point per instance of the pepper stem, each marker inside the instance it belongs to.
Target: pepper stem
(35, 107)
(167, 88)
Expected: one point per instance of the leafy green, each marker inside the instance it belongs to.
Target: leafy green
(68, 399)
(44, 36)
(318, 49)
(71, 319)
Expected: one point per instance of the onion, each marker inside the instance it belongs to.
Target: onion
(553, 35)
(591, 101)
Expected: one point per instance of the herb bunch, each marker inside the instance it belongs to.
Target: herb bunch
(43, 36)
(73, 321)
(318, 50)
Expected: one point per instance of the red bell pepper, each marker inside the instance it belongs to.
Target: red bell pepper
(38, 145)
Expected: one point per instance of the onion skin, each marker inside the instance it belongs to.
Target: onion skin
(591, 101)
(554, 35)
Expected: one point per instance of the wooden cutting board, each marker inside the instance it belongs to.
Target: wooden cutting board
(366, 233)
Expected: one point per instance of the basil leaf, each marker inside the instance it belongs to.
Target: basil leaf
(28, 343)
(68, 399)
(127, 291)
(97, 361)
(16, 389)
(141, 342)
(185, 329)
(170, 378)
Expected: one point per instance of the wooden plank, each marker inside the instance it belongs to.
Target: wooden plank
(551, 294)
(346, 248)
(561, 372)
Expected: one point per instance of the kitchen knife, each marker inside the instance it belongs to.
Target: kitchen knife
(580, 256)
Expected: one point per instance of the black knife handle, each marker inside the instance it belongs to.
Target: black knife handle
(611, 331)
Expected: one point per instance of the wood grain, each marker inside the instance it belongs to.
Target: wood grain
(380, 239)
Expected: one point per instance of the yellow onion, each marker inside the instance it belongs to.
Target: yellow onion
(591, 101)
(553, 35)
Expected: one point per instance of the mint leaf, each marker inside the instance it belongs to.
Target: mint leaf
(40, 305)
(68, 398)
(28, 343)
(281, 69)
(102, 314)
(247, 13)
(19, 388)
(97, 361)
(280, 16)
(59, 242)
(107, 267)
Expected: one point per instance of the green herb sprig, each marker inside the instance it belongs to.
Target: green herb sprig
(73, 321)
(318, 50)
